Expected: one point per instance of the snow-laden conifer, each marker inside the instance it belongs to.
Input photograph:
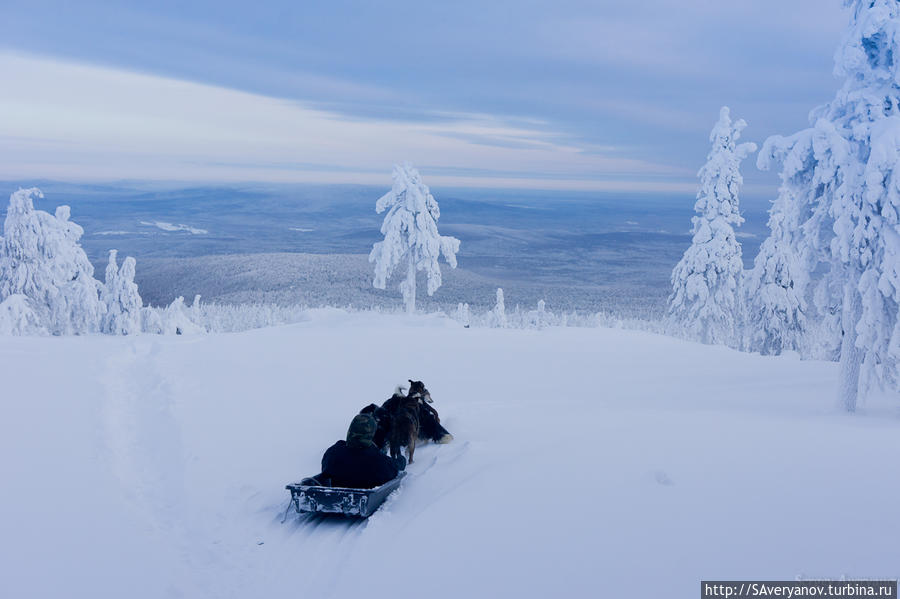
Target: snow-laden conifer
(176, 320)
(775, 305)
(841, 182)
(705, 301)
(411, 237)
(40, 258)
(18, 318)
(540, 315)
(498, 314)
(121, 297)
(462, 314)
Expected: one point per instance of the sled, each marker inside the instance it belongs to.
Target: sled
(310, 496)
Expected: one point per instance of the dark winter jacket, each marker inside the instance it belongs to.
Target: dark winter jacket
(358, 467)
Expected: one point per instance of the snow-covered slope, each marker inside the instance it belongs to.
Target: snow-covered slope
(587, 462)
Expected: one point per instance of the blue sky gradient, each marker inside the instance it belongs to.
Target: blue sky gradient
(611, 92)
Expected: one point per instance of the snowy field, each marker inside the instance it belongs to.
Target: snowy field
(587, 462)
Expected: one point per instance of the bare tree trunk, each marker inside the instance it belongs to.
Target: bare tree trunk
(408, 287)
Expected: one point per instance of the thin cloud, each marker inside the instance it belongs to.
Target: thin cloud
(98, 122)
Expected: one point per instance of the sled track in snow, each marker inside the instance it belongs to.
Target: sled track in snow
(322, 537)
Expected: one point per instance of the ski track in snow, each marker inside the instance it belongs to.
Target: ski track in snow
(146, 451)
(148, 456)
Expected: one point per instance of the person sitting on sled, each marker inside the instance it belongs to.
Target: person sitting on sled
(357, 463)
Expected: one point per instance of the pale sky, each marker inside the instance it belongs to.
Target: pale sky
(594, 95)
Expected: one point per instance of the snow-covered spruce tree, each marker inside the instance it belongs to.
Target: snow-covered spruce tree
(775, 306)
(705, 301)
(176, 319)
(411, 236)
(540, 315)
(462, 314)
(842, 177)
(121, 297)
(40, 258)
(498, 314)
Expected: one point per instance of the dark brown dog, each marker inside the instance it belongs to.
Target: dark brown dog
(417, 389)
(405, 426)
(429, 422)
